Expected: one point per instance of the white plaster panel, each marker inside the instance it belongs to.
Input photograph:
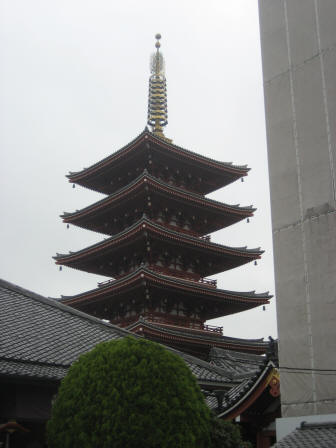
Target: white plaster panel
(291, 297)
(321, 260)
(329, 62)
(302, 31)
(295, 388)
(327, 19)
(316, 178)
(273, 38)
(281, 153)
(297, 409)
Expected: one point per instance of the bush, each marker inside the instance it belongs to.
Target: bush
(225, 434)
(129, 393)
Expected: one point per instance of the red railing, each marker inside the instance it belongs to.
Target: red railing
(177, 274)
(213, 328)
(183, 322)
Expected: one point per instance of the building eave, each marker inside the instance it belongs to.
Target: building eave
(147, 136)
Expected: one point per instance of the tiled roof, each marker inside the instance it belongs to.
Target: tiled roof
(217, 356)
(171, 188)
(238, 395)
(237, 362)
(309, 435)
(250, 298)
(107, 243)
(40, 338)
(146, 134)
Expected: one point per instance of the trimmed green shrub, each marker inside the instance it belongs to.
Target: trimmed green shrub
(129, 393)
(225, 434)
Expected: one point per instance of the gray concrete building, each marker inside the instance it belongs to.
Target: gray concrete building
(298, 39)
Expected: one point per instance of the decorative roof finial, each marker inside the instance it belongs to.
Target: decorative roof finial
(157, 98)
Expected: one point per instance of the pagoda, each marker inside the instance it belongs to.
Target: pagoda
(158, 252)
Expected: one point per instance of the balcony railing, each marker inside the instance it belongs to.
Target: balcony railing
(213, 328)
(170, 273)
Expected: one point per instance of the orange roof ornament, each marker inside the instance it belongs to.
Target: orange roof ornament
(157, 98)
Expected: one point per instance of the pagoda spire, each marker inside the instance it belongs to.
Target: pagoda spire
(157, 98)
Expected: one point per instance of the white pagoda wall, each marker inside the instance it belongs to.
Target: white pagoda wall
(298, 39)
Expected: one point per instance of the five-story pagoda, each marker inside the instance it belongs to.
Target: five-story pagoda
(158, 252)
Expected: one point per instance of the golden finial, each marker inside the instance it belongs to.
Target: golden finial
(157, 98)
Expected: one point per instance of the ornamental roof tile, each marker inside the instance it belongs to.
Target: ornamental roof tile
(41, 338)
(308, 435)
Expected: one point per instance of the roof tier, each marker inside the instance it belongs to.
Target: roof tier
(163, 202)
(161, 158)
(200, 343)
(149, 243)
(145, 289)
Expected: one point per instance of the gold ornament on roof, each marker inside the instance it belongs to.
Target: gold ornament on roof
(157, 98)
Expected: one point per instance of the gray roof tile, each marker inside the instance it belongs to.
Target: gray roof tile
(309, 435)
(40, 338)
(236, 362)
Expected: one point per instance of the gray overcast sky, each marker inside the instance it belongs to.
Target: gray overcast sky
(73, 89)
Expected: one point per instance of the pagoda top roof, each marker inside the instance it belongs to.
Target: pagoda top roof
(147, 137)
(145, 177)
(146, 224)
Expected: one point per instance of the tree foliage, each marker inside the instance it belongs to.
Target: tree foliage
(129, 393)
(225, 434)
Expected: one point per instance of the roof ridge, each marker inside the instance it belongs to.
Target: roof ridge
(35, 362)
(316, 425)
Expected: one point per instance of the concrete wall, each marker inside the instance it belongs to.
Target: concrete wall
(298, 40)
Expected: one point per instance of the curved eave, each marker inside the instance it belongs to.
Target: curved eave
(146, 179)
(145, 225)
(249, 392)
(203, 338)
(248, 299)
(146, 136)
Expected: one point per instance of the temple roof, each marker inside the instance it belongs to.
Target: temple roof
(90, 258)
(228, 302)
(242, 397)
(239, 362)
(93, 213)
(308, 435)
(41, 338)
(224, 172)
(229, 358)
